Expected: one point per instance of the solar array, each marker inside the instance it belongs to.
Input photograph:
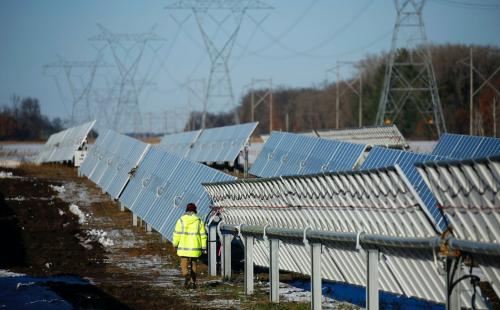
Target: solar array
(180, 143)
(381, 157)
(469, 194)
(466, 147)
(221, 144)
(61, 146)
(110, 160)
(378, 201)
(294, 154)
(388, 136)
(163, 185)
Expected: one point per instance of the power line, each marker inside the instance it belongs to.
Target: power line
(469, 5)
(277, 40)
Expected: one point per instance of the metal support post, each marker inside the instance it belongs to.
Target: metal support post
(249, 241)
(226, 255)
(372, 298)
(274, 271)
(149, 228)
(212, 250)
(316, 276)
(134, 219)
(122, 207)
(245, 164)
(453, 272)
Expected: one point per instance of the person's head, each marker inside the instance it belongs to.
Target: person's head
(191, 207)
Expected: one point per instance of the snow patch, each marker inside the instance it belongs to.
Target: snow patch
(61, 212)
(59, 189)
(76, 211)
(6, 175)
(7, 274)
(100, 236)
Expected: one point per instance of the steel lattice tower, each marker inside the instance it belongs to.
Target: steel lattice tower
(219, 79)
(130, 88)
(409, 76)
(79, 84)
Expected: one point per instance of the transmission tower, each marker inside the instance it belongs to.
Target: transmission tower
(219, 51)
(409, 76)
(127, 50)
(79, 76)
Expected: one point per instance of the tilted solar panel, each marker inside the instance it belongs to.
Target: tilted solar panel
(380, 201)
(466, 147)
(388, 136)
(381, 158)
(468, 191)
(162, 186)
(221, 144)
(61, 146)
(180, 143)
(294, 154)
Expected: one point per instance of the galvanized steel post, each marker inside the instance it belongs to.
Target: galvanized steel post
(212, 250)
(453, 271)
(315, 276)
(149, 228)
(372, 298)
(134, 219)
(274, 271)
(249, 241)
(226, 255)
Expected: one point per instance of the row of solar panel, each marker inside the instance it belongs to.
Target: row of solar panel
(291, 154)
(148, 180)
(61, 146)
(221, 144)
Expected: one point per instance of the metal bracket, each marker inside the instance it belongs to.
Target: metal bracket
(264, 235)
(304, 238)
(240, 235)
(358, 245)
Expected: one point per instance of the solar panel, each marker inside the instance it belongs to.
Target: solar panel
(162, 186)
(381, 157)
(61, 146)
(388, 136)
(111, 159)
(466, 147)
(378, 202)
(221, 144)
(469, 194)
(294, 154)
(180, 143)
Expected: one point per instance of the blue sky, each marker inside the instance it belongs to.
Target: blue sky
(294, 45)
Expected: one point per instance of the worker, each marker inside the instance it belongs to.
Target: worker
(190, 241)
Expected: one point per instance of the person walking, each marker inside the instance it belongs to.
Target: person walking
(190, 241)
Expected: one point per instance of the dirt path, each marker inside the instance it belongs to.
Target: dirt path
(60, 224)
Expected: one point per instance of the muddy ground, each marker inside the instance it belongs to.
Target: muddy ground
(126, 268)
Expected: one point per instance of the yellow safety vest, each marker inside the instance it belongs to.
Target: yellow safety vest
(190, 236)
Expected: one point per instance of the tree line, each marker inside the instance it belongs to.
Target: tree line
(24, 121)
(308, 108)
